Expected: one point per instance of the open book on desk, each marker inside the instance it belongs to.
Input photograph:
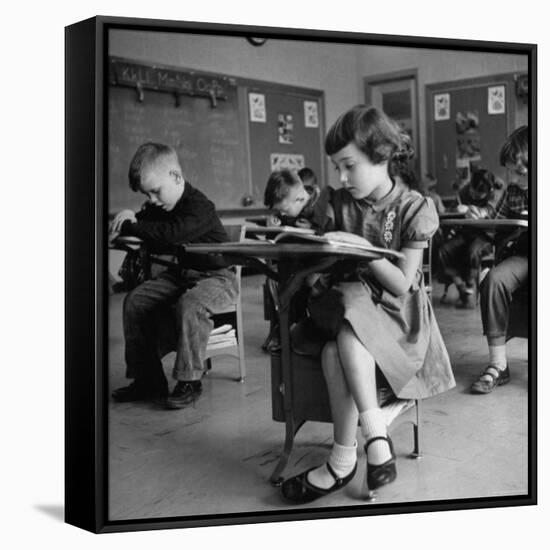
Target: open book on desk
(286, 242)
(309, 236)
(274, 231)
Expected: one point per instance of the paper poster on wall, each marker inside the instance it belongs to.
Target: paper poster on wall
(442, 106)
(285, 128)
(467, 122)
(256, 104)
(468, 144)
(496, 100)
(282, 161)
(311, 114)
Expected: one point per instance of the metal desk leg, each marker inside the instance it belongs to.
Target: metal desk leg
(417, 453)
(286, 387)
(277, 478)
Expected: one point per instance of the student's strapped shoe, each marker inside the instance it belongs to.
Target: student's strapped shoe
(184, 394)
(490, 378)
(299, 490)
(379, 474)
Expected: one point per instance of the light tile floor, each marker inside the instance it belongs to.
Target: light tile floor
(216, 457)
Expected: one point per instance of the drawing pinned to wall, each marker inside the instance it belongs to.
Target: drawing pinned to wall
(256, 104)
(442, 106)
(496, 100)
(285, 128)
(468, 144)
(311, 114)
(467, 123)
(282, 161)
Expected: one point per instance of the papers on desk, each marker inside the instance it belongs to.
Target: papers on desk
(275, 231)
(339, 244)
(301, 244)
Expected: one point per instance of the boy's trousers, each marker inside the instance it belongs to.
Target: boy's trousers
(496, 293)
(173, 312)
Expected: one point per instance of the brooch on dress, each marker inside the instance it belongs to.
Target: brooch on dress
(388, 227)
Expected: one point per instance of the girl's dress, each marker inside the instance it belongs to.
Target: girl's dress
(400, 332)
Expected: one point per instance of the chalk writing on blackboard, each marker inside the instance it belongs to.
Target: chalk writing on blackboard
(164, 79)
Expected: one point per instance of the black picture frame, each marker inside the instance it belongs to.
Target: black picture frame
(87, 208)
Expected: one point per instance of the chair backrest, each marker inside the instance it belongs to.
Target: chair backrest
(236, 232)
(427, 267)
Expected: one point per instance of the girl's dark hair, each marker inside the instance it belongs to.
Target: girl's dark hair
(375, 134)
(516, 147)
(278, 184)
(483, 181)
(146, 155)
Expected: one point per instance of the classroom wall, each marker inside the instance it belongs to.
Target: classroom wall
(338, 70)
(435, 66)
(326, 67)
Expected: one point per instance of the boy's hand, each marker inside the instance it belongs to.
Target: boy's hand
(473, 213)
(118, 220)
(302, 222)
(273, 221)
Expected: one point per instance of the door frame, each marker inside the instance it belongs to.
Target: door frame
(369, 82)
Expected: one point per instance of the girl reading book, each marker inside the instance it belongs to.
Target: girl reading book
(376, 320)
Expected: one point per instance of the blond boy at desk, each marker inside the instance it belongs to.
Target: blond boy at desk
(293, 202)
(296, 199)
(198, 287)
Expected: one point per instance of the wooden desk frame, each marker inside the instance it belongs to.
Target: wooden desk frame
(290, 277)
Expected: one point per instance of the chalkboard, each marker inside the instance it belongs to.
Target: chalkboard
(205, 127)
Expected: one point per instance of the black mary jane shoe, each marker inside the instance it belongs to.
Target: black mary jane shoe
(299, 490)
(381, 474)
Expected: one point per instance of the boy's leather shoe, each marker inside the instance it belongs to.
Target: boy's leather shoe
(138, 392)
(184, 394)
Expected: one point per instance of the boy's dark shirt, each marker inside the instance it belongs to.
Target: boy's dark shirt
(192, 220)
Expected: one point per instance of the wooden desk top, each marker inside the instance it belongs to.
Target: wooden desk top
(485, 223)
(264, 249)
(125, 243)
(275, 230)
(259, 220)
(450, 215)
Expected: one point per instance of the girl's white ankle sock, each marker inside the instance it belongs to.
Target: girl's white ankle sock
(342, 460)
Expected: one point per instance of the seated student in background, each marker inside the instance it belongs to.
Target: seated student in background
(510, 274)
(460, 257)
(375, 326)
(427, 188)
(174, 213)
(297, 204)
(294, 203)
(309, 179)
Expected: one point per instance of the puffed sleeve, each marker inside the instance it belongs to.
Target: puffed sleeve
(419, 222)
